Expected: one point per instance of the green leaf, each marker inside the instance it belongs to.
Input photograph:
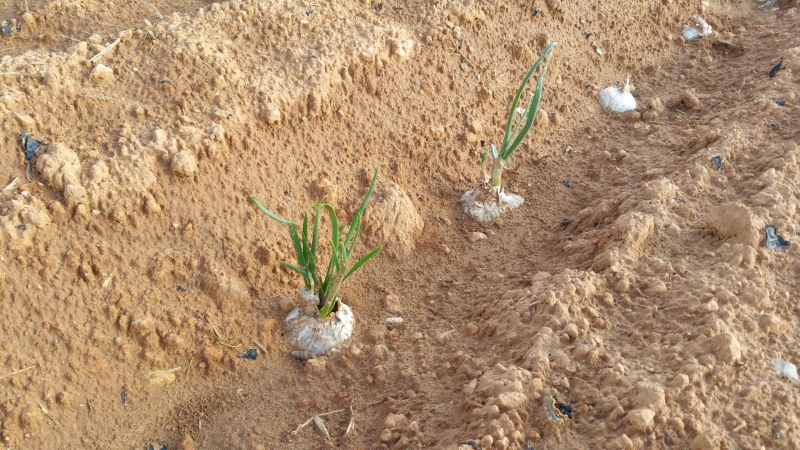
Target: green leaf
(507, 137)
(298, 247)
(361, 262)
(494, 152)
(355, 230)
(270, 213)
(314, 242)
(296, 269)
(533, 106)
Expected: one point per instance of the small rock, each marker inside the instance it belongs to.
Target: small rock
(163, 380)
(469, 388)
(392, 304)
(285, 304)
(101, 75)
(402, 47)
(212, 355)
(187, 443)
(650, 395)
(476, 236)
(184, 164)
(726, 347)
(142, 326)
(35, 217)
(487, 441)
(266, 326)
(394, 421)
(151, 206)
(511, 400)
(64, 398)
(272, 115)
(641, 418)
(315, 366)
(622, 443)
(30, 418)
(704, 441)
(324, 189)
(689, 99)
(28, 19)
(74, 194)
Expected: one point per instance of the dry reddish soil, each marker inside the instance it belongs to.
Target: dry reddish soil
(633, 284)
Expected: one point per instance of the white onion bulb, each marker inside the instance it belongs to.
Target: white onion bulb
(690, 32)
(490, 210)
(618, 100)
(312, 334)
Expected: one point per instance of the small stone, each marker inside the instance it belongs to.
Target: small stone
(487, 441)
(533, 436)
(392, 304)
(622, 443)
(511, 400)
(25, 121)
(402, 47)
(324, 189)
(469, 388)
(315, 366)
(650, 395)
(64, 398)
(212, 355)
(393, 421)
(187, 443)
(28, 19)
(101, 75)
(471, 329)
(386, 436)
(704, 441)
(476, 236)
(74, 194)
(285, 304)
(689, 99)
(142, 326)
(30, 418)
(151, 206)
(163, 380)
(184, 164)
(641, 418)
(272, 115)
(35, 217)
(726, 347)
(266, 326)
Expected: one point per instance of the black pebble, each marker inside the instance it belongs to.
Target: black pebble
(775, 69)
(780, 102)
(565, 222)
(250, 354)
(565, 409)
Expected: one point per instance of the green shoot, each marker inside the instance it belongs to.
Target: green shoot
(339, 269)
(516, 133)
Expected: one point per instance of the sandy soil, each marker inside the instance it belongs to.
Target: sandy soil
(634, 283)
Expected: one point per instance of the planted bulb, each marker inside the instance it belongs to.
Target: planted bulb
(618, 100)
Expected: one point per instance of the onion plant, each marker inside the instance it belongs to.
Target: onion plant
(515, 133)
(325, 285)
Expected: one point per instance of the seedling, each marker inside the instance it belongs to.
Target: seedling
(516, 130)
(513, 137)
(325, 285)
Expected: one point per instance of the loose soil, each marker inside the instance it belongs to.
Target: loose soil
(634, 284)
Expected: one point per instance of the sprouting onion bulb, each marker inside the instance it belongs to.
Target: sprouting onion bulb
(690, 32)
(618, 100)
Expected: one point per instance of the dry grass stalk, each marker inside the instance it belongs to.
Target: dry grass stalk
(20, 371)
(105, 50)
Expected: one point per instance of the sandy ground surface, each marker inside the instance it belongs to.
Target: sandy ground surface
(634, 284)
